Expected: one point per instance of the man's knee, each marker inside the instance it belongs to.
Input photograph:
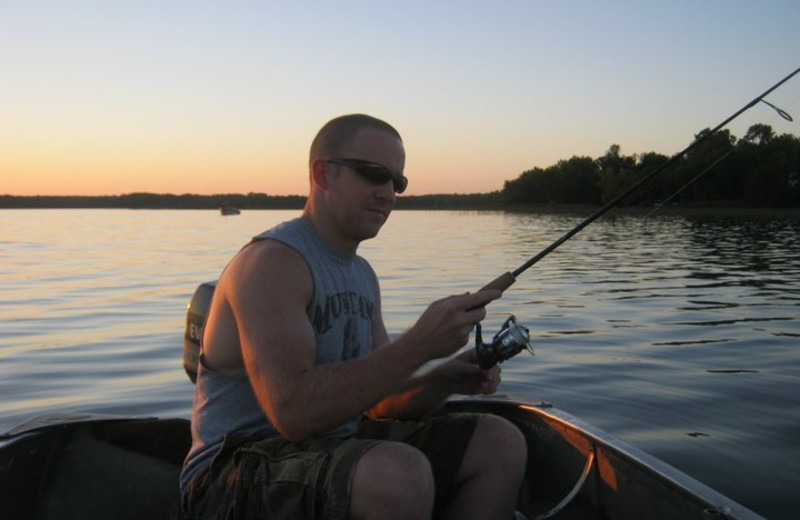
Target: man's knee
(392, 480)
(499, 429)
(493, 469)
(500, 440)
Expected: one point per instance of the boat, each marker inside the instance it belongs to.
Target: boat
(228, 210)
(93, 466)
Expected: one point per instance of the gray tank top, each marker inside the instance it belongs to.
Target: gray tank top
(345, 294)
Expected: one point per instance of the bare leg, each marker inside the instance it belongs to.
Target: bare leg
(392, 481)
(491, 473)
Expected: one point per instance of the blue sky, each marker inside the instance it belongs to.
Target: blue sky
(214, 97)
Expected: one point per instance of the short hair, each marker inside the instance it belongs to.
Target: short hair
(340, 131)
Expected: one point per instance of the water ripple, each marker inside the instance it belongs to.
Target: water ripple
(678, 335)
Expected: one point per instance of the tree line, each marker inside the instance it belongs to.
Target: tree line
(155, 201)
(240, 201)
(761, 169)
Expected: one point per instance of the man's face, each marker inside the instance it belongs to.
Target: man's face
(365, 204)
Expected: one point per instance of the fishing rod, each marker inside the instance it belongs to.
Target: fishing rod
(778, 110)
(507, 279)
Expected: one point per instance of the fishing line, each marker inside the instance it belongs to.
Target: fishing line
(505, 280)
(691, 181)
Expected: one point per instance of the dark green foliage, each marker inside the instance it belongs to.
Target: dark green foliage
(761, 169)
(574, 181)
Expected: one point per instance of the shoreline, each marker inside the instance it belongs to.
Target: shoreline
(561, 209)
(641, 211)
(440, 202)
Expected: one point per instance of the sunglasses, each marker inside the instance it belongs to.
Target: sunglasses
(374, 172)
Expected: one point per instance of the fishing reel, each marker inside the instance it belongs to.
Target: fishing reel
(507, 343)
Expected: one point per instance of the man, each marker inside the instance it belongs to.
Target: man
(295, 354)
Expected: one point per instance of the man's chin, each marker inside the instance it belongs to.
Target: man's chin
(370, 231)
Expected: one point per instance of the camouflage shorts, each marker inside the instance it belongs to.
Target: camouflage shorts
(272, 478)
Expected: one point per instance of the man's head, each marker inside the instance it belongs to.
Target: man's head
(337, 142)
(356, 163)
(334, 137)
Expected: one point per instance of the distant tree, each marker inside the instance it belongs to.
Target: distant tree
(617, 173)
(532, 186)
(771, 164)
(716, 185)
(661, 186)
(759, 134)
(578, 181)
(574, 181)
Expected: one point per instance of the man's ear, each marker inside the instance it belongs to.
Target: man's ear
(319, 174)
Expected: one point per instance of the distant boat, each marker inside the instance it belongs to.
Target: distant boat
(228, 210)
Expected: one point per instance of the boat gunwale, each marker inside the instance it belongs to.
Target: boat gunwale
(600, 440)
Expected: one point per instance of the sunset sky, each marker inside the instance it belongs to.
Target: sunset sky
(109, 97)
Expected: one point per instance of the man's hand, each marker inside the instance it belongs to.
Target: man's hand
(445, 325)
(462, 375)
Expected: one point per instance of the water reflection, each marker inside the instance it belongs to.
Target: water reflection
(651, 329)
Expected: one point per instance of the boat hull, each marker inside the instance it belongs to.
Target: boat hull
(95, 466)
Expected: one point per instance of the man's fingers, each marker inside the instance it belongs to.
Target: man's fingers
(479, 299)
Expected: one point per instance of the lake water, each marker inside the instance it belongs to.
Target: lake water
(679, 335)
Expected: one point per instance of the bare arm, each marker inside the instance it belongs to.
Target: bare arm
(268, 288)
